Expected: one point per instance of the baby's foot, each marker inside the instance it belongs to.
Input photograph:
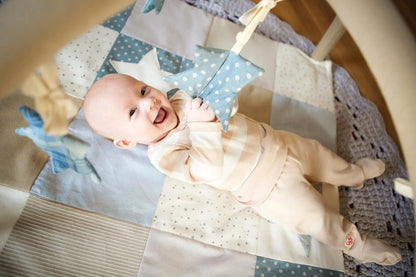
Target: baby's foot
(377, 251)
(369, 250)
(371, 168)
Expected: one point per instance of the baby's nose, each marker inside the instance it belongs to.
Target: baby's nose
(149, 104)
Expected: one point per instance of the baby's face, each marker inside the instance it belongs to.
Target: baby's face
(122, 108)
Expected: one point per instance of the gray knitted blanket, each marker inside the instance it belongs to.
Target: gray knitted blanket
(377, 209)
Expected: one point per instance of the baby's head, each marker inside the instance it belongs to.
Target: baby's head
(128, 111)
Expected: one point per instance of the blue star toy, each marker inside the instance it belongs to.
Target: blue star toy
(153, 5)
(216, 78)
(65, 152)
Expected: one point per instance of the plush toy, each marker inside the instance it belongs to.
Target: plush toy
(219, 74)
(65, 151)
(216, 78)
(54, 107)
(153, 5)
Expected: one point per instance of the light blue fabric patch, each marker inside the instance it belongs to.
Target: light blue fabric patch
(303, 119)
(65, 152)
(216, 78)
(268, 267)
(153, 5)
(118, 20)
(130, 185)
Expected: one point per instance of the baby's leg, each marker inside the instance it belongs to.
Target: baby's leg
(295, 204)
(322, 165)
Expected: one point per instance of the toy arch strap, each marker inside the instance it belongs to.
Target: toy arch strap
(251, 19)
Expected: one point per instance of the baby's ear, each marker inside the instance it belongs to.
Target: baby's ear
(124, 144)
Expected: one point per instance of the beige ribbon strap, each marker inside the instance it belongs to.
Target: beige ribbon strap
(54, 107)
(251, 19)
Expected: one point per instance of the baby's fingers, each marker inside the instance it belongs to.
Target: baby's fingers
(204, 106)
(196, 103)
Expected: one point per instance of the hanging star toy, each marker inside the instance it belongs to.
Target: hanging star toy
(153, 5)
(219, 74)
(216, 78)
(65, 151)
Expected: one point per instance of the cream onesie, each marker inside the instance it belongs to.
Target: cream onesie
(270, 171)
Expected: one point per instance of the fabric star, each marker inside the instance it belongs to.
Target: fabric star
(153, 5)
(147, 70)
(216, 78)
(65, 151)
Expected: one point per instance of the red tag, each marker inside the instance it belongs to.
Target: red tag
(349, 242)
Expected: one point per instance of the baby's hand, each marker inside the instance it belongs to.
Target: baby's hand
(197, 111)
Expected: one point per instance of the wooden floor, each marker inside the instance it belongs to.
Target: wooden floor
(311, 18)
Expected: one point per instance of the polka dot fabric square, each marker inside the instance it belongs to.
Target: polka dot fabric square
(125, 49)
(118, 21)
(207, 215)
(78, 62)
(173, 63)
(131, 50)
(272, 268)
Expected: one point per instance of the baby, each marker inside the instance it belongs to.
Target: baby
(266, 169)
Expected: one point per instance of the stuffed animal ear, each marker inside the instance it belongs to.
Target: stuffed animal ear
(124, 144)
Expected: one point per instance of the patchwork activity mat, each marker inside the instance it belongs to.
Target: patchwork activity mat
(97, 210)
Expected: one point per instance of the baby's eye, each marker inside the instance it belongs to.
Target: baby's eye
(132, 111)
(143, 90)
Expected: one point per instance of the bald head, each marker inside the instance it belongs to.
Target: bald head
(100, 99)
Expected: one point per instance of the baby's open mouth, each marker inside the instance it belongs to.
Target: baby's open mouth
(161, 115)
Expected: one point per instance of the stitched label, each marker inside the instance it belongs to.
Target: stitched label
(349, 242)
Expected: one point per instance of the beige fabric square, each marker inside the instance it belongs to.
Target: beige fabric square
(12, 202)
(165, 252)
(304, 79)
(21, 160)
(177, 28)
(255, 102)
(282, 244)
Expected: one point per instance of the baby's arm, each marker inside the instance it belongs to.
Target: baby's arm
(195, 155)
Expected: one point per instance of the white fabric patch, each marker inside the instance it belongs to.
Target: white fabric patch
(304, 79)
(177, 28)
(259, 50)
(79, 61)
(206, 214)
(170, 255)
(279, 243)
